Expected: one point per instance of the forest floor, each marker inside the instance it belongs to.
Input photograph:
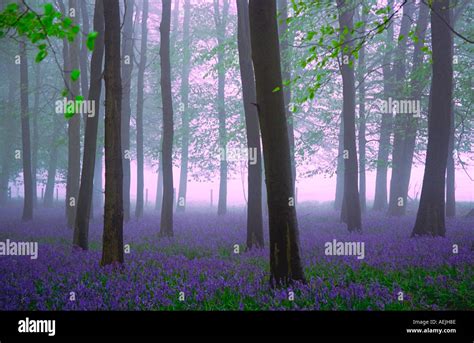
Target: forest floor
(199, 269)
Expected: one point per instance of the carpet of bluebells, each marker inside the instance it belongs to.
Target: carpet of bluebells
(200, 262)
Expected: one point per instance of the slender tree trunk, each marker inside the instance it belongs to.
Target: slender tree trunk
(285, 262)
(98, 195)
(286, 74)
(139, 118)
(430, 218)
(380, 198)
(397, 200)
(451, 172)
(159, 186)
(84, 54)
(35, 138)
(74, 135)
(350, 212)
(52, 165)
(166, 227)
(254, 184)
(183, 177)
(127, 65)
(25, 136)
(10, 124)
(340, 168)
(112, 243)
(362, 124)
(84, 204)
(220, 20)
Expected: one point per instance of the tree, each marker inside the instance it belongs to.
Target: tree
(285, 262)
(35, 133)
(350, 212)
(84, 204)
(380, 197)
(430, 219)
(74, 132)
(361, 73)
(112, 242)
(183, 177)
(140, 102)
(127, 66)
(397, 200)
(254, 184)
(25, 135)
(220, 20)
(166, 227)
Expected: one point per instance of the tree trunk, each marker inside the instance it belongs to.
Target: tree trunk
(183, 177)
(397, 200)
(286, 75)
(451, 172)
(84, 60)
(25, 136)
(254, 184)
(112, 243)
(362, 125)
(430, 218)
(220, 20)
(285, 262)
(340, 168)
(84, 204)
(74, 134)
(380, 198)
(139, 118)
(35, 138)
(52, 165)
(166, 227)
(350, 212)
(159, 186)
(127, 66)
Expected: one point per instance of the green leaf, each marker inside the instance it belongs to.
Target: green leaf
(276, 89)
(64, 93)
(91, 37)
(400, 38)
(75, 74)
(41, 55)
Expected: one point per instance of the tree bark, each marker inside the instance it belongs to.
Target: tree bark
(254, 184)
(362, 124)
(340, 168)
(430, 218)
(25, 136)
(139, 118)
(74, 134)
(112, 243)
(35, 134)
(350, 212)
(183, 177)
(52, 165)
(84, 204)
(166, 227)
(380, 198)
(397, 200)
(285, 262)
(220, 20)
(127, 66)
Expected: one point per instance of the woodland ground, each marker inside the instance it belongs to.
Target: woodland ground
(200, 261)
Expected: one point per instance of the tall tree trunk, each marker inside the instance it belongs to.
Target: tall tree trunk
(10, 124)
(139, 119)
(286, 75)
(112, 243)
(159, 186)
(52, 165)
(98, 195)
(350, 212)
(183, 177)
(254, 184)
(340, 168)
(35, 138)
(84, 54)
(362, 125)
(127, 65)
(430, 219)
(380, 198)
(166, 227)
(84, 204)
(220, 20)
(25, 136)
(74, 134)
(397, 200)
(451, 172)
(285, 262)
